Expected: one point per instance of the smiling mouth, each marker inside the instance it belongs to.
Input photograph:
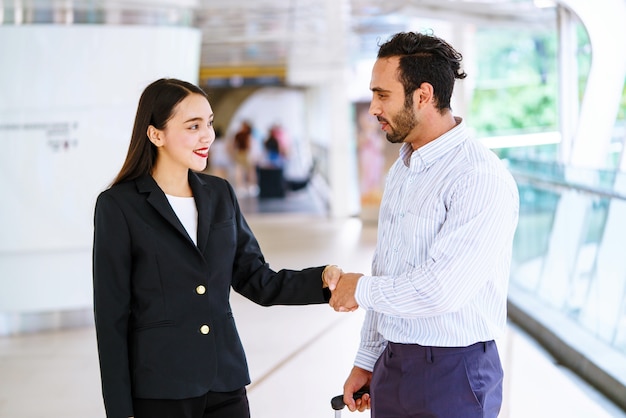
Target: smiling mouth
(203, 152)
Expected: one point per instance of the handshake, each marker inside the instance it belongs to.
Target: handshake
(342, 288)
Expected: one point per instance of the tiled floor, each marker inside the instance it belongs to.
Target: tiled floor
(298, 356)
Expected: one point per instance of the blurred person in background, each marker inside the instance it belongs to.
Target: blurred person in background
(274, 154)
(244, 157)
(220, 161)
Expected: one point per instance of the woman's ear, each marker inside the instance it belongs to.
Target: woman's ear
(154, 135)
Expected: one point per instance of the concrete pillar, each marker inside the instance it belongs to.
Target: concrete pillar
(568, 82)
(323, 69)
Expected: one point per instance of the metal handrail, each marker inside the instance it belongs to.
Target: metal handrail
(551, 184)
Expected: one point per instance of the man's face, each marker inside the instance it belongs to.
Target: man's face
(391, 107)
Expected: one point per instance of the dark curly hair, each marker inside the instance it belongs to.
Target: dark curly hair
(425, 58)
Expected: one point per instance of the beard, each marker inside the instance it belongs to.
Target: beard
(402, 123)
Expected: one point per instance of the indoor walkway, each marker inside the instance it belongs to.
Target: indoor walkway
(298, 356)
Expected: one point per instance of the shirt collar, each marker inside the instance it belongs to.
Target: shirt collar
(423, 157)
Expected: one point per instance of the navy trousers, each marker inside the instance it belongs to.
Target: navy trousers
(413, 381)
(211, 405)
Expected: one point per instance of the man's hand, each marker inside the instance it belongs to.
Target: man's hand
(330, 276)
(342, 298)
(358, 379)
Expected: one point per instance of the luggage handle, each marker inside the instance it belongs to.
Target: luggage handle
(338, 404)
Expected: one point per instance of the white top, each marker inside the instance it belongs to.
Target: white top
(445, 233)
(185, 209)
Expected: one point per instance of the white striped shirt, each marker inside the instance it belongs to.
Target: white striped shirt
(440, 271)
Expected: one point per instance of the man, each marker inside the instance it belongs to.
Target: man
(436, 299)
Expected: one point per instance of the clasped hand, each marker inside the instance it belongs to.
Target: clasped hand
(342, 287)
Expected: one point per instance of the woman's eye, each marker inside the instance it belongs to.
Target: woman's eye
(193, 127)
(210, 123)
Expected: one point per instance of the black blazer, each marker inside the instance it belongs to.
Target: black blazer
(163, 319)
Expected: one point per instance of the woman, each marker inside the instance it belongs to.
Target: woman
(168, 245)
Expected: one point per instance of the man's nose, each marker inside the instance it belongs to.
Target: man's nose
(374, 109)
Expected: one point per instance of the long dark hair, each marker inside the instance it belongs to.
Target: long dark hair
(156, 105)
(425, 58)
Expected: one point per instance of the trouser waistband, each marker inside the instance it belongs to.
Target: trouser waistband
(431, 352)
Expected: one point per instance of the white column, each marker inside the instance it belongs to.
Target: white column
(568, 82)
(463, 38)
(323, 67)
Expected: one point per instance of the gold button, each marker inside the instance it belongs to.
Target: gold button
(201, 290)
(205, 329)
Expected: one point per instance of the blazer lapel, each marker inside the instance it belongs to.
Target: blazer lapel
(156, 198)
(202, 194)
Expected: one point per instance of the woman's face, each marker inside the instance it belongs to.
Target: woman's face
(184, 142)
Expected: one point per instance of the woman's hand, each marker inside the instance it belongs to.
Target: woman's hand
(330, 276)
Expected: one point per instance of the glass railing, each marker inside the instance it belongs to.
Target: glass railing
(570, 250)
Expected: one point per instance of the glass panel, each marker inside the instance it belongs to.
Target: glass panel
(589, 286)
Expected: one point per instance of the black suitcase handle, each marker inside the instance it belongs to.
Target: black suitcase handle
(338, 404)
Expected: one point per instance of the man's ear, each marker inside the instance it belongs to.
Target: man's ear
(424, 94)
(154, 135)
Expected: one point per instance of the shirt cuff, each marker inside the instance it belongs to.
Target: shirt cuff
(362, 294)
(366, 360)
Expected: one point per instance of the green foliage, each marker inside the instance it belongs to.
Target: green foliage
(516, 87)
(516, 80)
(510, 110)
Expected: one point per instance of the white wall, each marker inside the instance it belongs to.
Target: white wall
(68, 96)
